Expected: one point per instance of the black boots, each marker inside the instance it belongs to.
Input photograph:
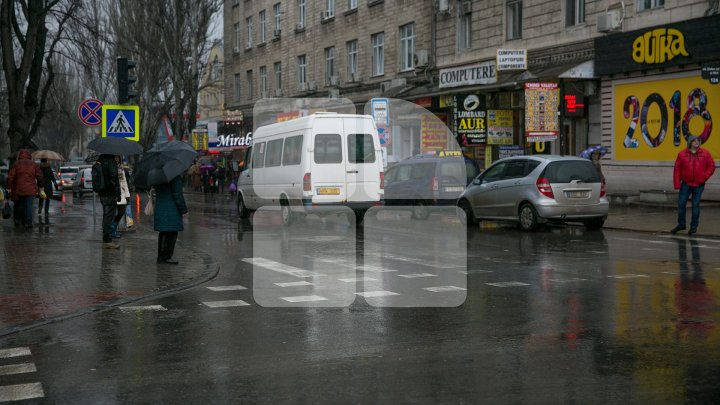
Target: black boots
(166, 247)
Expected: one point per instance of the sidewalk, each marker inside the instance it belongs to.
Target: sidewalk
(60, 271)
(661, 219)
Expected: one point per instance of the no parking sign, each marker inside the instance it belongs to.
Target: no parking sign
(89, 112)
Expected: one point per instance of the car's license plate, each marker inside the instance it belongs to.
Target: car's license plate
(328, 190)
(454, 189)
(577, 194)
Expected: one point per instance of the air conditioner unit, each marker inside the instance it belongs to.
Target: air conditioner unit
(334, 80)
(466, 7)
(324, 15)
(276, 33)
(278, 92)
(420, 59)
(609, 20)
(299, 26)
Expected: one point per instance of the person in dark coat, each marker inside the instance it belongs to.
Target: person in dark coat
(49, 177)
(24, 180)
(109, 198)
(169, 210)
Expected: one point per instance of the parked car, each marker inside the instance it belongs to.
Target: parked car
(536, 189)
(83, 182)
(67, 176)
(426, 181)
(57, 191)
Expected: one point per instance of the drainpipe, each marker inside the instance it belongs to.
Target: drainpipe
(433, 42)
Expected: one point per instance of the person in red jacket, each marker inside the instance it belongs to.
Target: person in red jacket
(693, 167)
(24, 182)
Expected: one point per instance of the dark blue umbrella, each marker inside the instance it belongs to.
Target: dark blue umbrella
(115, 146)
(163, 163)
(589, 151)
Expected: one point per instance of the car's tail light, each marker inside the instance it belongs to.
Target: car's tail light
(307, 186)
(382, 180)
(544, 187)
(602, 189)
(82, 180)
(435, 184)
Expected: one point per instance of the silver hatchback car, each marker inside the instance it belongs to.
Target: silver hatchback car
(536, 189)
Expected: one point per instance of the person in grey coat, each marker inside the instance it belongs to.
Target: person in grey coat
(169, 210)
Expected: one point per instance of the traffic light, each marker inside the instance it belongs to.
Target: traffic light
(126, 77)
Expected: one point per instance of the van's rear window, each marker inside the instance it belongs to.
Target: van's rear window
(361, 148)
(569, 170)
(328, 148)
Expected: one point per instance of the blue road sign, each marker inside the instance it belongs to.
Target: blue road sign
(122, 121)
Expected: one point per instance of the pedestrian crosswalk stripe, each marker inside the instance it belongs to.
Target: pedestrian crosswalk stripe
(281, 268)
(227, 288)
(293, 284)
(17, 368)
(445, 288)
(417, 275)
(14, 352)
(356, 279)
(144, 308)
(508, 284)
(374, 294)
(225, 304)
(20, 392)
(305, 298)
(621, 276)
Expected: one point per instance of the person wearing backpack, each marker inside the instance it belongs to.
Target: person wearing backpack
(107, 185)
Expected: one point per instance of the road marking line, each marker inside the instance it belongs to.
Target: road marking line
(293, 284)
(672, 273)
(373, 294)
(567, 280)
(225, 304)
(227, 288)
(508, 284)
(355, 279)
(144, 308)
(305, 298)
(445, 288)
(622, 276)
(466, 272)
(14, 352)
(417, 275)
(18, 369)
(281, 268)
(413, 260)
(375, 269)
(21, 391)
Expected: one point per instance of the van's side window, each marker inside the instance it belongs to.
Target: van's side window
(274, 153)
(258, 157)
(361, 148)
(292, 152)
(328, 148)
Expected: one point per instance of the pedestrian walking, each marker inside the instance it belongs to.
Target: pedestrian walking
(24, 182)
(693, 167)
(49, 182)
(170, 207)
(110, 195)
(221, 174)
(124, 197)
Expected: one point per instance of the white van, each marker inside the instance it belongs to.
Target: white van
(315, 164)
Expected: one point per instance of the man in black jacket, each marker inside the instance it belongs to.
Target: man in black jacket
(109, 197)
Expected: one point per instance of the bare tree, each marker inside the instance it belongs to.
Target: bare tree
(28, 48)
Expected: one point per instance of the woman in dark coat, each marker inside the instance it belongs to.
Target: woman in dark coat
(49, 178)
(169, 210)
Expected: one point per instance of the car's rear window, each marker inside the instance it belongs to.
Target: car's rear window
(569, 170)
(69, 170)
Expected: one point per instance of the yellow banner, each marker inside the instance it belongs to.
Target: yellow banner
(651, 119)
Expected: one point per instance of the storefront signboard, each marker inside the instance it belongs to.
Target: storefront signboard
(574, 103)
(711, 72)
(480, 73)
(199, 139)
(470, 120)
(433, 133)
(511, 59)
(505, 151)
(652, 118)
(541, 112)
(500, 127)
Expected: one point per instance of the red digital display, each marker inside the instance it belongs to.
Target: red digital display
(574, 104)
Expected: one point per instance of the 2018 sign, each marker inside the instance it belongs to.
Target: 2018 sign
(650, 108)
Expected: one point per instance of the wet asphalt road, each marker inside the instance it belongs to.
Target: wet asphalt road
(561, 315)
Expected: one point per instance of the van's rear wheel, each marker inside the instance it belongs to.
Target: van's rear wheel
(286, 213)
(243, 211)
(420, 210)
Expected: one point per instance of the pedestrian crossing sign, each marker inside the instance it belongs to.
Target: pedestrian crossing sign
(121, 121)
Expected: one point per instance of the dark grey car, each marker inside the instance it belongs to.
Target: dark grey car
(535, 189)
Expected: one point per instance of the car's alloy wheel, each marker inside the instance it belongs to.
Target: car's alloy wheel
(528, 218)
(420, 211)
(465, 214)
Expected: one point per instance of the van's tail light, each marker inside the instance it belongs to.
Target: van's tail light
(435, 184)
(307, 186)
(602, 189)
(544, 187)
(382, 180)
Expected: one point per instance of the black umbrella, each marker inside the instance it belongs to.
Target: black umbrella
(163, 163)
(115, 146)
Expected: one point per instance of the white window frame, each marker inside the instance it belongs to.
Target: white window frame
(352, 4)
(329, 63)
(301, 13)
(407, 46)
(277, 67)
(249, 40)
(513, 10)
(263, 81)
(464, 29)
(238, 38)
(236, 86)
(278, 13)
(574, 12)
(249, 75)
(378, 54)
(330, 7)
(352, 58)
(643, 5)
(302, 69)
(263, 26)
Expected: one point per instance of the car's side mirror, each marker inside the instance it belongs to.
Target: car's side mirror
(477, 181)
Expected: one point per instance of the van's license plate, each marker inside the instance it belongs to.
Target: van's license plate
(454, 189)
(328, 190)
(577, 194)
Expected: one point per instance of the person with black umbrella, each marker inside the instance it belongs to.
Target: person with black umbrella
(109, 196)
